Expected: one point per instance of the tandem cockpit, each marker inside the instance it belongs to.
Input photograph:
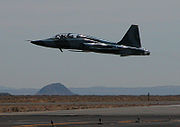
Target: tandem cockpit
(76, 36)
(69, 35)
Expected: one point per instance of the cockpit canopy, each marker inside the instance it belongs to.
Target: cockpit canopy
(69, 35)
(74, 35)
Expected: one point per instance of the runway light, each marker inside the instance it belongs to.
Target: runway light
(52, 123)
(169, 118)
(100, 121)
(138, 120)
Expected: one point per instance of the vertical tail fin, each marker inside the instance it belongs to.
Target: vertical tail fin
(131, 38)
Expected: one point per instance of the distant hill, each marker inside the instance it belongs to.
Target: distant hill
(55, 89)
(5, 94)
(159, 90)
(18, 91)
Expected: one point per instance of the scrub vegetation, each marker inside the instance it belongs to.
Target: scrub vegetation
(49, 103)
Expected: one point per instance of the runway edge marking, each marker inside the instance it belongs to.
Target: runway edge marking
(48, 124)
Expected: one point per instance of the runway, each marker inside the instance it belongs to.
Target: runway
(146, 116)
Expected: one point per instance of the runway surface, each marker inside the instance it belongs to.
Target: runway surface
(146, 116)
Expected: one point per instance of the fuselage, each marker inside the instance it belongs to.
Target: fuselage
(89, 44)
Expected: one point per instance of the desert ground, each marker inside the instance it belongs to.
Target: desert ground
(51, 103)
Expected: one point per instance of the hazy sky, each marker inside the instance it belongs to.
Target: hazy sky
(29, 66)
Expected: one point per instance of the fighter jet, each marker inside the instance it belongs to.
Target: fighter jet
(129, 45)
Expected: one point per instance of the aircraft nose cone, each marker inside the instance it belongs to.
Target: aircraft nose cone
(38, 42)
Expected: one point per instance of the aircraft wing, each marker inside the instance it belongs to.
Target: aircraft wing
(98, 45)
(71, 50)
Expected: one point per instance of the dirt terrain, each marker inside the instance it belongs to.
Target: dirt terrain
(49, 103)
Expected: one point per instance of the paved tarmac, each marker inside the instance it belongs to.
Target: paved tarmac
(96, 103)
(146, 116)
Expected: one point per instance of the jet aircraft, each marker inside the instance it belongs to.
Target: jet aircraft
(129, 45)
